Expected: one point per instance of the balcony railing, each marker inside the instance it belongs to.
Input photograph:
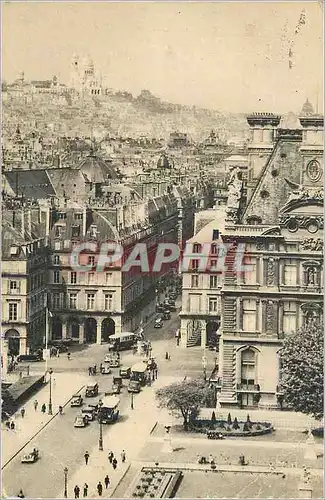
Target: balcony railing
(248, 387)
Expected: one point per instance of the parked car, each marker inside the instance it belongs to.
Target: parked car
(160, 308)
(134, 386)
(112, 360)
(76, 400)
(172, 295)
(91, 390)
(158, 322)
(80, 421)
(105, 369)
(125, 372)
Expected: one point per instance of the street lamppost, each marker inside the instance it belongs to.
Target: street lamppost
(50, 399)
(100, 441)
(65, 470)
(132, 406)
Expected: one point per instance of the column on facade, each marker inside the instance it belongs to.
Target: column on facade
(300, 316)
(263, 316)
(64, 329)
(203, 334)
(280, 316)
(82, 333)
(258, 316)
(258, 270)
(239, 314)
(99, 332)
(4, 357)
(23, 345)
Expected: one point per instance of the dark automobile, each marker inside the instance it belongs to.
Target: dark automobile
(166, 314)
(91, 390)
(30, 357)
(160, 308)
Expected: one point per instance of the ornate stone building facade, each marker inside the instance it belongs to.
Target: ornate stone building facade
(282, 229)
(277, 214)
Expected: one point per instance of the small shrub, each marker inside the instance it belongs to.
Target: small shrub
(246, 427)
(228, 428)
(258, 427)
(222, 425)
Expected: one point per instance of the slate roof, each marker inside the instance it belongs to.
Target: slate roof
(30, 183)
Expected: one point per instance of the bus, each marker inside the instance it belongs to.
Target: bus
(109, 412)
(139, 372)
(121, 341)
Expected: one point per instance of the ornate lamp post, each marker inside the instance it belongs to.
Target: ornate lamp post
(50, 399)
(100, 441)
(132, 401)
(65, 470)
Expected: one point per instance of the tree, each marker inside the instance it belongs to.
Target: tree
(213, 420)
(229, 421)
(235, 425)
(302, 374)
(184, 398)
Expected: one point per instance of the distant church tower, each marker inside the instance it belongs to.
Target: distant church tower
(75, 80)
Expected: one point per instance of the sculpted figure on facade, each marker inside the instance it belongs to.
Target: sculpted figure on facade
(270, 316)
(270, 272)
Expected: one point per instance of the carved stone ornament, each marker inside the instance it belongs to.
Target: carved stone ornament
(270, 272)
(314, 171)
(270, 316)
(315, 245)
(260, 245)
(293, 223)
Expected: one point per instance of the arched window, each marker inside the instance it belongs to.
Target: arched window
(248, 367)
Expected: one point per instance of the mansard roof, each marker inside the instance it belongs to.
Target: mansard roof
(30, 183)
(271, 191)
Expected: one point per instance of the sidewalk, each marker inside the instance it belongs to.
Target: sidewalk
(130, 434)
(64, 385)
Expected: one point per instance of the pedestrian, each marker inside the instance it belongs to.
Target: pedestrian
(68, 356)
(22, 412)
(8, 424)
(106, 480)
(110, 457)
(58, 352)
(166, 355)
(114, 463)
(156, 372)
(123, 456)
(94, 370)
(100, 367)
(76, 491)
(43, 409)
(90, 371)
(12, 426)
(100, 489)
(35, 404)
(86, 455)
(85, 489)
(21, 494)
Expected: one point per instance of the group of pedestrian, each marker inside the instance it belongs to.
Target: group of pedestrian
(43, 407)
(99, 488)
(92, 370)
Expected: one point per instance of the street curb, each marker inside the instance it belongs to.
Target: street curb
(153, 428)
(120, 480)
(40, 430)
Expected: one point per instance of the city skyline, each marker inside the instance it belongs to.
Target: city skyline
(224, 56)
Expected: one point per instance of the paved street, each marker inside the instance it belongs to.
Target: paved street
(61, 445)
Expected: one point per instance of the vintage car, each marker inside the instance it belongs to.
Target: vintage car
(80, 420)
(106, 369)
(115, 363)
(76, 400)
(90, 412)
(158, 322)
(117, 385)
(134, 386)
(166, 314)
(125, 371)
(30, 458)
(91, 390)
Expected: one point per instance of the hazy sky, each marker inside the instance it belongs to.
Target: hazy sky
(227, 56)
